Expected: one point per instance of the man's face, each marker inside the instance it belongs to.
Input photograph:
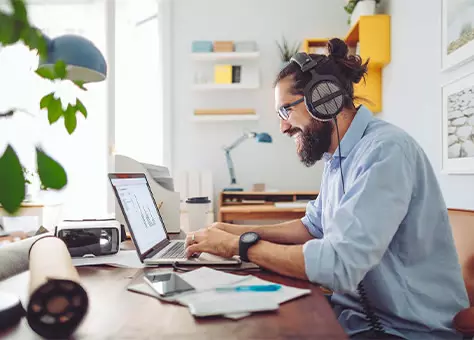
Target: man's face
(312, 137)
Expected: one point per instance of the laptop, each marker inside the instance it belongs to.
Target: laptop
(146, 226)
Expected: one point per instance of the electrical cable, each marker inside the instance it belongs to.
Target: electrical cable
(375, 324)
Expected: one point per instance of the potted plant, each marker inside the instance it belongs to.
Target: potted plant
(357, 8)
(286, 52)
(29, 180)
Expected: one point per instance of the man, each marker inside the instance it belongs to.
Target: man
(380, 220)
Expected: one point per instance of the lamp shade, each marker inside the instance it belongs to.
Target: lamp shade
(83, 59)
(263, 137)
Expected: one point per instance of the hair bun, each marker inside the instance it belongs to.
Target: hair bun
(337, 48)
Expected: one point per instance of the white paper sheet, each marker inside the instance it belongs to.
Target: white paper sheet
(123, 259)
(207, 294)
(205, 280)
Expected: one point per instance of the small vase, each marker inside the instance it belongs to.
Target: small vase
(363, 7)
(31, 192)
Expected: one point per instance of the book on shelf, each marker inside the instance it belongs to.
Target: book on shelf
(236, 70)
(318, 50)
(223, 46)
(207, 112)
(223, 74)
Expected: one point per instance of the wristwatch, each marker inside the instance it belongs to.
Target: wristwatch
(246, 241)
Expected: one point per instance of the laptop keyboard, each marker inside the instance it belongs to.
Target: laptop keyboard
(177, 250)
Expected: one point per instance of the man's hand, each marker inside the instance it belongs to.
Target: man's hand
(227, 227)
(212, 240)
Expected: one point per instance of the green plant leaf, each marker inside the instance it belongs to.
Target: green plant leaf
(60, 69)
(9, 32)
(51, 173)
(80, 84)
(45, 72)
(35, 41)
(55, 110)
(19, 10)
(12, 181)
(44, 102)
(70, 119)
(81, 108)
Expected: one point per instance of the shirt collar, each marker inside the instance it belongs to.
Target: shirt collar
(353, 134)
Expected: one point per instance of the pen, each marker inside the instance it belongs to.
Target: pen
(256, 288)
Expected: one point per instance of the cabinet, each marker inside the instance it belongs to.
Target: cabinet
(254, 205)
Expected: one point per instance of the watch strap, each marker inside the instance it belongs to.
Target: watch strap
(245, 246)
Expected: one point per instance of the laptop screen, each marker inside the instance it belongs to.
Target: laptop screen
(141, 212)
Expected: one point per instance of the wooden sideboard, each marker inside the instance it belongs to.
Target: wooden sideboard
(254, 205)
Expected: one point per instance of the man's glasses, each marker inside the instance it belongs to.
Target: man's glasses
(283, 111)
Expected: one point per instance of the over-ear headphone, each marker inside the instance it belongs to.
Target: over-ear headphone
(323, 95)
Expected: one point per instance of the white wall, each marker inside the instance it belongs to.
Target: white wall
(412, 87)
(198, 145)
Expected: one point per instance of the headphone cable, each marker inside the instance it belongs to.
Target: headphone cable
(372, 318)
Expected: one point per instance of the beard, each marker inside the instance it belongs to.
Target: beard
(313, 141)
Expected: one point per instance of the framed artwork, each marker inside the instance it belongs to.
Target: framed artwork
(457, 32)
(458, 126)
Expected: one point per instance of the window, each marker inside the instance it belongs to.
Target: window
(139, 100)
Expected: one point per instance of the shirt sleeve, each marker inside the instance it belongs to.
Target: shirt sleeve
(368, 216)
(312, 218)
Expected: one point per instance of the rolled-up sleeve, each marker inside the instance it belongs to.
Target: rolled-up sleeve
(363, 225)
(312, 218)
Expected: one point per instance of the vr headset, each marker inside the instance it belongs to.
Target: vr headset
(90, 237)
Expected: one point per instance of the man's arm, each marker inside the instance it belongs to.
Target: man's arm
(360, 232)
(282, 259)
(291, 232)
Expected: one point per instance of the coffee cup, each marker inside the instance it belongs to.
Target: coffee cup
(198, 208)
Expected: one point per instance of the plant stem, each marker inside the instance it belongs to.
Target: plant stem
(11, 112)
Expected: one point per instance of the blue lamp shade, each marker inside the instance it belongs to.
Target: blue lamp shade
(263, 137)
(83, 59)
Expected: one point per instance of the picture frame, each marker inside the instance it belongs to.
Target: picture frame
(457, 33)
(458, 126)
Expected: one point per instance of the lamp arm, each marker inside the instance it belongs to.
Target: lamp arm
(230, 166)
(239, 141)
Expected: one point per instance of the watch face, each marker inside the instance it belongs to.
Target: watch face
(249, 237)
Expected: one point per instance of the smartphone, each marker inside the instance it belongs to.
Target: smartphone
(167, 284)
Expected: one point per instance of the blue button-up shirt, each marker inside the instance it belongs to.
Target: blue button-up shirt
(391, 229)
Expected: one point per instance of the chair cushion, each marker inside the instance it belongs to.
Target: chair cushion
(464, 321)
(462, 223)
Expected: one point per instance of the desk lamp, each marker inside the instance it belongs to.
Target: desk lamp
(261, 137)
(84, 62)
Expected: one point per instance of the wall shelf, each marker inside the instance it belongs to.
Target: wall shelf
(371, 37)
(213, 56)
(224, 118)
(222, 73)
(234, 86)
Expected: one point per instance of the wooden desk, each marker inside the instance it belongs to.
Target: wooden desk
(239, 206)
(116, 313)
